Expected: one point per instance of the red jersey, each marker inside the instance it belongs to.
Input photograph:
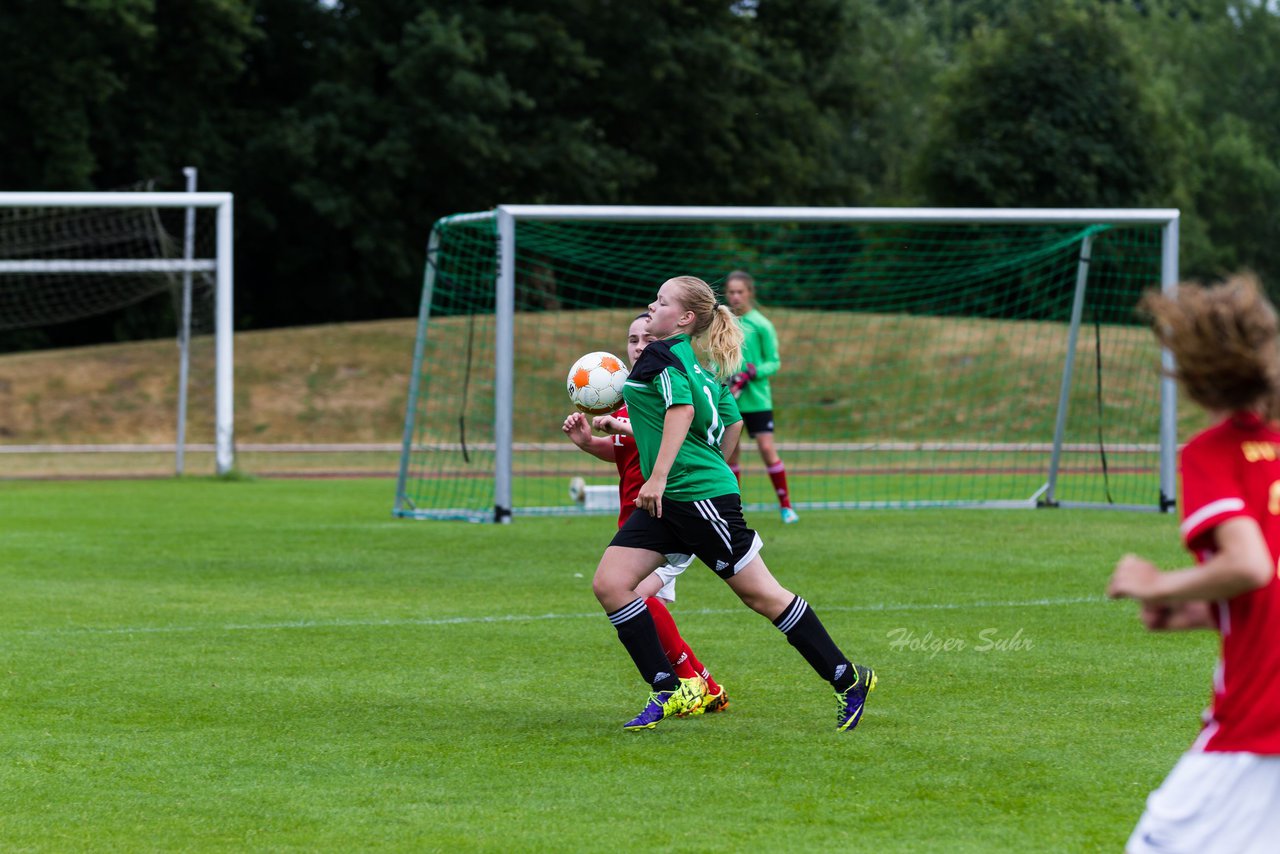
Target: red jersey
(1233, 469)
(627, 458)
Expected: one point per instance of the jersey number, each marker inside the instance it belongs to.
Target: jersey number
(713, 435)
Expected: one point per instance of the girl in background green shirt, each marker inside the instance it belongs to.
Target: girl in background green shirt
(751, 384)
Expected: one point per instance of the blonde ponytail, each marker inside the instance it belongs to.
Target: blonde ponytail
(723, 344)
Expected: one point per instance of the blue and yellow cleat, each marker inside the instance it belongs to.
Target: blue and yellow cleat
(665, 704)
(852, 700)
(789, 516)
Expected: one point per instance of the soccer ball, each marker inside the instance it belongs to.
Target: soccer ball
(595, 383)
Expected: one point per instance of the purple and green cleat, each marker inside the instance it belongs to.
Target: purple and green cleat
(852, 700)
(667, 704)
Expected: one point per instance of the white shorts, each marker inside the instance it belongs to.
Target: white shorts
(669, 573)
(1212, 802)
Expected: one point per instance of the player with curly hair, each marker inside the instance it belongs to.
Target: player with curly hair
(1224, 793)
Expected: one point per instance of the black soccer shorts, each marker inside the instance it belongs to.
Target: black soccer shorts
(758, 422)
(711, 528)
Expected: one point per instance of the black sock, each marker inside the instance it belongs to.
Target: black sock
(639, 635)
(806, 633)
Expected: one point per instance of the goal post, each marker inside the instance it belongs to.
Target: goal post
(930, 356)
(22, 260)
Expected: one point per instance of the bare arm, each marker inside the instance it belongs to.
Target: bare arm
(1242, 563)
(729, 440)
(579, 432)
(613, 425)
(1177, 618)
(675, 427)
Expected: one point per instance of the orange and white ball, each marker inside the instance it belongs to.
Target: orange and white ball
(595, 383)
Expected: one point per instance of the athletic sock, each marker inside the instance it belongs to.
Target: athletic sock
(713, 687)
(678, 652)
(639, 635)
(699, 668)
(778, 474)
(806, 633)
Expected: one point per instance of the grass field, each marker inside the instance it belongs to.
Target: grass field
(279, 665)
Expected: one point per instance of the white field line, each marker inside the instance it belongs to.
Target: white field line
(529, 618)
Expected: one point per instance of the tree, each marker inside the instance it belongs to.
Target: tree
(1048, 111)
(1216, 63)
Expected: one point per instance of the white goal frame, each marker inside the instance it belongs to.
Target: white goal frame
(220, 265)
(508, 218)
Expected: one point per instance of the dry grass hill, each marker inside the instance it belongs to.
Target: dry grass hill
(344, 383)
(340, 383)
(348, 383)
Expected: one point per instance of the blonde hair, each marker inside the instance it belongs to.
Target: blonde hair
(723, 342)
(1224, 340)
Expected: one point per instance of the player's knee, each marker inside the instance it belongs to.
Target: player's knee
(602, 587)
(771, 607)
(752, 600)
(762, 593)
(611, 589)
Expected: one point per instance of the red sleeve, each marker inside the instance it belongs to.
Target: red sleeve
(1211, 491)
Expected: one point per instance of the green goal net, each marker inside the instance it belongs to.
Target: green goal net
(928, 358)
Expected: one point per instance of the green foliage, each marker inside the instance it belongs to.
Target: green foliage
(1216, 60)
(346, 128)
(1048, 111)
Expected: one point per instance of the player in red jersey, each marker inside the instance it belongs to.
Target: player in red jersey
(659, 588)
(1224, 793)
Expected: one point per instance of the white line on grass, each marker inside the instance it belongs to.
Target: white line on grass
(526, 618)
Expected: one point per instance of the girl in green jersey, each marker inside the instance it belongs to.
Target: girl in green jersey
(692, 506)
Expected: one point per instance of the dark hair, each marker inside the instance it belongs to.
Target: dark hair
(746, 279)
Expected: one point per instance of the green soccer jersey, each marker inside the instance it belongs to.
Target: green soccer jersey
(668, 374)
(759, 348)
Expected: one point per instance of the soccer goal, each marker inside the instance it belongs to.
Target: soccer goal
(68, 256)
(929, 357)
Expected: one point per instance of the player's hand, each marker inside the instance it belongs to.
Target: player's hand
(1156, 617)
(609, 424)
(577, 429)
(1133, 578)
(739, 381)
(1178, 617)
(650, 497)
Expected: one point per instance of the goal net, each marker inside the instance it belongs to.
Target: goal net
(929, 357)
(65, 257)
